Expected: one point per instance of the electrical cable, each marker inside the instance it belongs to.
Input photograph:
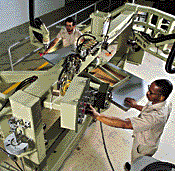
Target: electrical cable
(77, 44)
(83, 36)
(159, 166)
(18, 165)
(171, 57)
(25, 82)
(169, 62)
(105, 144)
(6, 102)
(159, 39)
(20, 86)
(12, 157)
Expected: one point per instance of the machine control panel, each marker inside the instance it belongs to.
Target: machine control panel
(81, 114)
(72, 106)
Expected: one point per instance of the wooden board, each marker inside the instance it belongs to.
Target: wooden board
(104, 76)
(119, 76)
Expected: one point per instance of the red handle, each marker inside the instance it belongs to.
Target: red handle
(40, 54)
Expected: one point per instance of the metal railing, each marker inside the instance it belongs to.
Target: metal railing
(29, 54)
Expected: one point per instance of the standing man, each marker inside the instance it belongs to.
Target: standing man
(68, 35)
(148, 126)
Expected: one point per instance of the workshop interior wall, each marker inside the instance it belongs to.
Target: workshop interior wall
(16, 12)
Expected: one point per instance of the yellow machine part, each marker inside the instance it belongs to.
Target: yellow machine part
(65, 86)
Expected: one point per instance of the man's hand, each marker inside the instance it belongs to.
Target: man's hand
(91, 111)
(41, 54)
(52, 45)
(108, 120)
(131, 102)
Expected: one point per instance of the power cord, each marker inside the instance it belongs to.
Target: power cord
(101, 127)
(20, 86)
(100, 104)
(25, 82)
(12, 157)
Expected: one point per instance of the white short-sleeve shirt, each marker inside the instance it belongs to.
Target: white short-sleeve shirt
(69, 39)
(149, 125)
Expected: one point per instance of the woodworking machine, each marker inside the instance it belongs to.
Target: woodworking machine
(40, 128)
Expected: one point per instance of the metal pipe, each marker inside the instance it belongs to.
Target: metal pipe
(95, 7)
(76, 17)
(70, 16)
(84, 21)
(31, 12)
(9, 52)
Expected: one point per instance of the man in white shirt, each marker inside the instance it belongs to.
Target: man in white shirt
(149, 124)
(68, 35)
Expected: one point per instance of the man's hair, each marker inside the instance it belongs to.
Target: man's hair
(70, 20)
(166, 87)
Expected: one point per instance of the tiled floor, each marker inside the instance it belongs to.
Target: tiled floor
(91, 155)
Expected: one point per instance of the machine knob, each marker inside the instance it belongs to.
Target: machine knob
(82, 110)
(86, 98)
(80, 115)
(83, 104)
(80, 120)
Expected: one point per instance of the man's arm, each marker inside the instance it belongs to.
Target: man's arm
(52, 45)
(109, 120)
(132, 102)
(114, 121)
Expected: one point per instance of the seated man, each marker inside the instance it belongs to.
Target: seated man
(68, 35)
(148, 126)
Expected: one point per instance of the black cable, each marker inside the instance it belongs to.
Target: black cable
(12, 157)
(18, 165)
(25, 82)
(21, 85)
(159, 39)
(83, 36)
(159, 166)
(170, 59)
(169, 62)
(6, 102)
(105, 144)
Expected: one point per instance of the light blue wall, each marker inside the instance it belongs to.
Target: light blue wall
(16, 12)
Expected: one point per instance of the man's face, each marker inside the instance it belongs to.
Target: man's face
(153, 93)
(69, 27)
